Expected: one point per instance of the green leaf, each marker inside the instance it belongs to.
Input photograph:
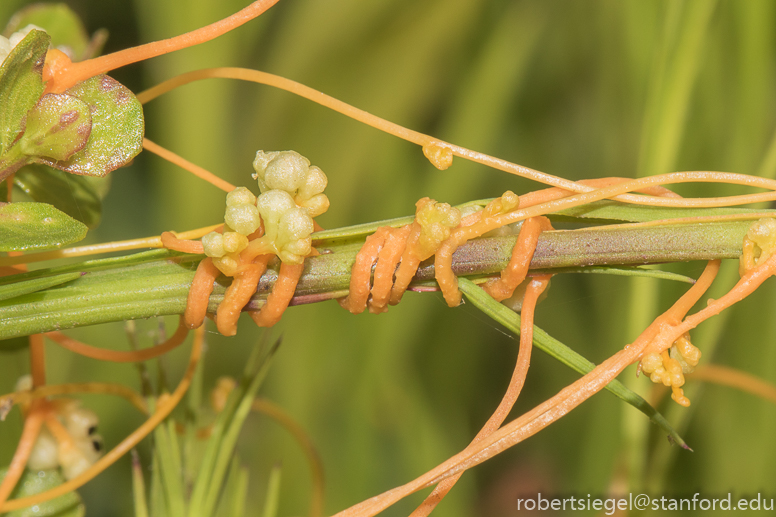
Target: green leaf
(168, 456)
(31, 483)
(57, 127)
(608, 210)
(21, 85)
(225, 430)
(236, 490)
(272, 499)
(117, 128)
(138, 487)
(626, 271)
(564, 354)
(9, 291)
(77, 196)
(29, 226)
(61, 24)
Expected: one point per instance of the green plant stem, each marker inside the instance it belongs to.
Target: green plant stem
(12, 160)
(118, 289)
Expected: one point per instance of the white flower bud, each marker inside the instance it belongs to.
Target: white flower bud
(5, 48)
(291, 172)
(24, 383)
(314, 184)
(287, 171)
(316, 205)
(81, 422)
(273, 204)
(287, 227)
(260, 164)
(240, 196)
(235, 242)
(19, 35)
(8, 44)
(45, 452)
(295, 224)
(213, 243)
(243, 219)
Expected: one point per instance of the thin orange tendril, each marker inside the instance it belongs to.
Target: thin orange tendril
(116, 356)
(435, 149)
(186, 165)
(164, 407)
(544, 414)
(280, 296)
(62, 74)
(536, 286)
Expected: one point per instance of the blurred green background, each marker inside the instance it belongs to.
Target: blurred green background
(577, 89)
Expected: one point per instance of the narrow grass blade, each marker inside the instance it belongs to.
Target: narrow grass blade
(608, 210)
(212, 468)
(169, 467)
(272, 500)
(32, 286)
(157, 501)
(232, 501)
(562, 353)
(255, 372)
(138, 487)
(658, 274)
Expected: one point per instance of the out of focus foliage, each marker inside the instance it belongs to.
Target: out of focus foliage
(577, 89)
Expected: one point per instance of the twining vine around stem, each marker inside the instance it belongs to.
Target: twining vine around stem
(64, 108)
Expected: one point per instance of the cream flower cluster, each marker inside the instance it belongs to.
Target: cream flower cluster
(436, 221)
(669, 368)
(240, 220)
(291, 195)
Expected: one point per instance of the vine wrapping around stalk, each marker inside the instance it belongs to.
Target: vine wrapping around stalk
(156, 283)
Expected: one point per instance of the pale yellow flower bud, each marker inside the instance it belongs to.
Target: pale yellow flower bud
(45, 452)
(243, 219)
(291, 172)
(213, 243)
(240, 196)
(234, 242)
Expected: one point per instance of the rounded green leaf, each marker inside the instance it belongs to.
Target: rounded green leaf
(20, 85)
(30, 226)
(80, 197)
(57, 127)
(117, 128)
(31, 483)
